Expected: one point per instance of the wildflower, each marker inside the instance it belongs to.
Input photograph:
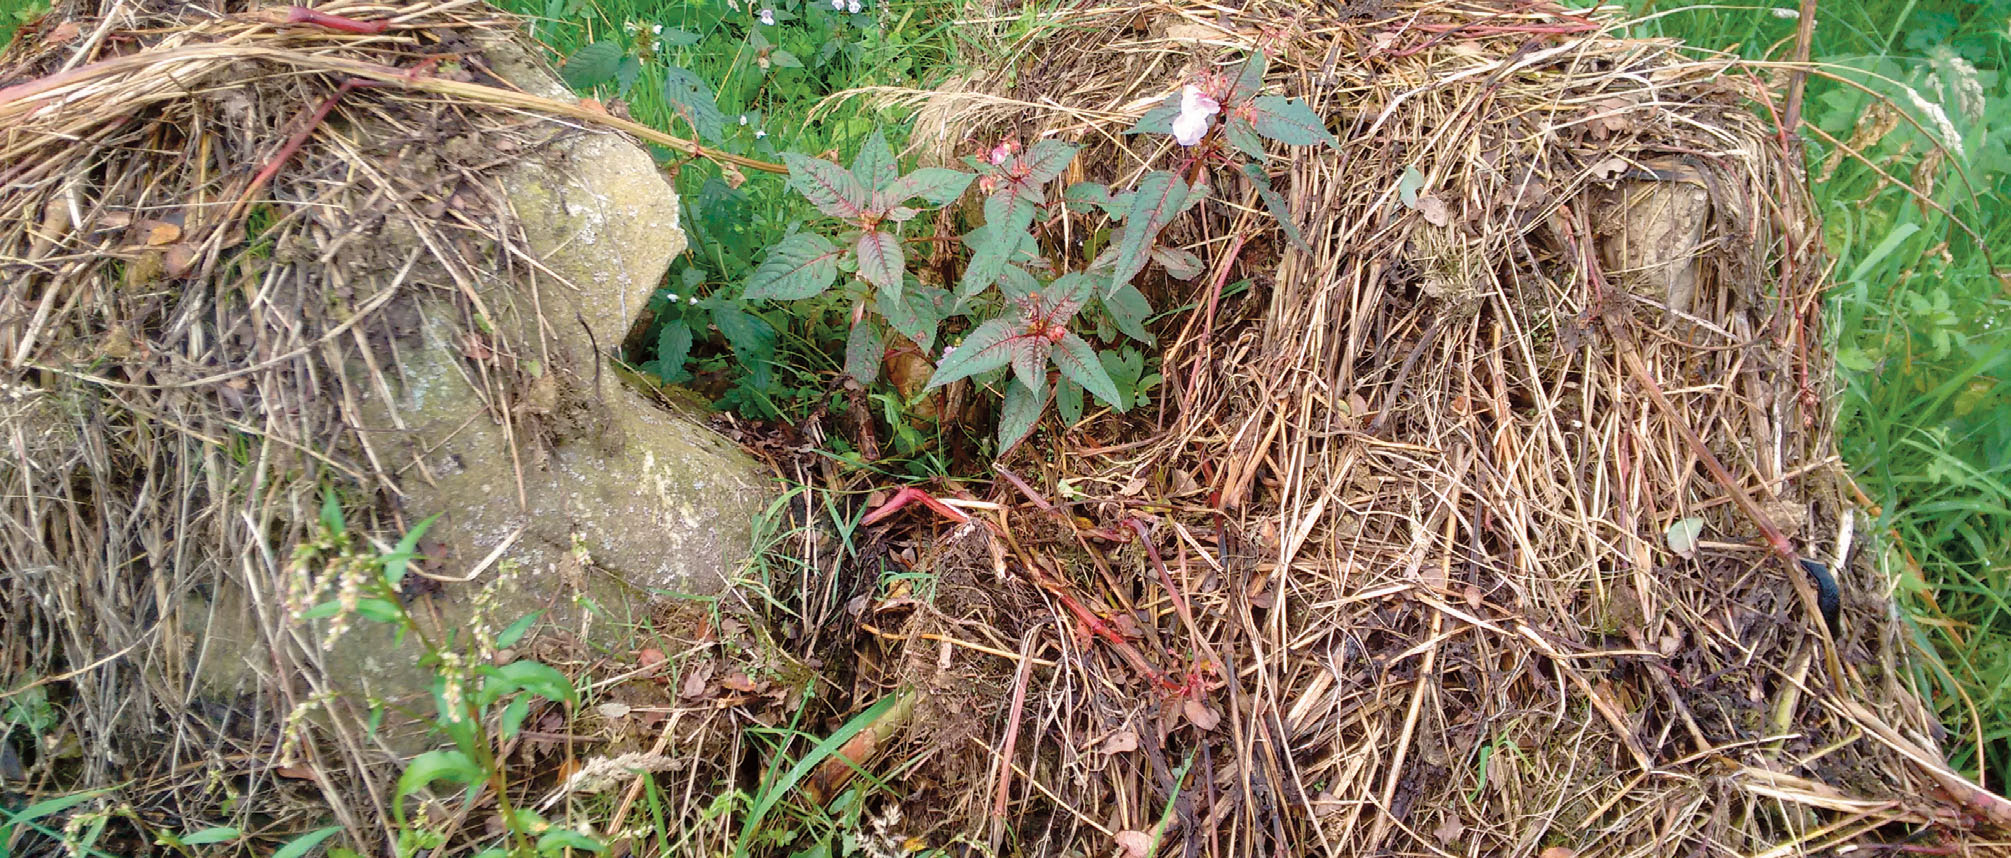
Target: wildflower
(838, 5)
(852, 6)
(656, 29)
(1195, 108)
(758, 133)
(1784, 12)
(768, 17)
(947, 351)
(743, 119)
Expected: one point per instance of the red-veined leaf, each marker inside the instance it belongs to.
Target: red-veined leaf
(1154, 204)
(829, 187)
(935, 185)
(1078, 361)
(1250, 78)
(1029, 362)
(993, 247)
(988, 347)
(915, 313)
(1241, 135)
(1046, 161)
(1290, 121)
(901, 214)
(881, 262)
(797, 267)
(1158, 120)
(1129, 309)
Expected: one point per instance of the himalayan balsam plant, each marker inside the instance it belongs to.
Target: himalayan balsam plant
(1029, 302)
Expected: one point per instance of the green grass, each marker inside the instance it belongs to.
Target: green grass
(1917, 315)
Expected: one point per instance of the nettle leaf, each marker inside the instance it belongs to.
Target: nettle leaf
(915, 312)
(1291, 122)
(1158, 120)
(1250, 78)
(592, 65)
(751, 338)
(1046, 161)
(1158, 199)
(829, 187)
(1179, 264)
(1074, 357)
(874, 166)
(935, 185)
(673, 346)
(881, 262)
(989, 347)
(1019, 414)
(1069, 292)
(784, 59)
(1242, 135)
(694, 100)
(799, 266)
(1280, 209)
(627, 74)
(863, 351)
(1129, 309)
(677, 38)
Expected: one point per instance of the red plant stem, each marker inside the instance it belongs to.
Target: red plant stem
(304, 15)
(910, 493)
(1024, 489)
(1004, 794)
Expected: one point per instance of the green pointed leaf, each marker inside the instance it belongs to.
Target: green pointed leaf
(550, 842)
(1078, 361)
(441, 765)
(1129, 309)
(1019, 414)
(1069, 292)
(331, 513)
(1158, 120)
(1291, 122)
(1179, 264)
(915, 313)
(1243, 136)
(829, 187)
(298, 847)
(782, 59)
(514, 715)
(208, 836)
(1015, 282)
(1276, 203)
(863, 351)
(516, 631)
(993, 247)
(592, 65)
(751, 338)
(799, 266)
(1088, 194)
(673, 347)
(874, 166)
(881, 262)
(988, 347)
(1158, 198)
(1047, 160)
(901, 214)
(535, 677)
(935, 185)
(1068, 401)
(400, 557)
(694, 100)
(1249, 78)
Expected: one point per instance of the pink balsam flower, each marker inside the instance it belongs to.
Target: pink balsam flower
(1195, 108)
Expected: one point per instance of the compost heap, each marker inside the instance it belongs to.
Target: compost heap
(1405, 558)
(1420, 572)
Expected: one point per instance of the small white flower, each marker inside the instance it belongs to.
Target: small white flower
(693, 299)
(947, 351)
(852, 6)
(758, 133)
(768, 17)
(673, 296)
(1195, 108)
(656, 29)
(838, 5)
(743, 119)
(1783, 12)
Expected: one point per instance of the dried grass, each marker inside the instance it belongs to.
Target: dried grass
(1413, 487)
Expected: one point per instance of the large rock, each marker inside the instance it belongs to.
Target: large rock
(605, 503)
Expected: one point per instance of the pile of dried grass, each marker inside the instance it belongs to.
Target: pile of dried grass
(219, 225)
(1413, 490)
